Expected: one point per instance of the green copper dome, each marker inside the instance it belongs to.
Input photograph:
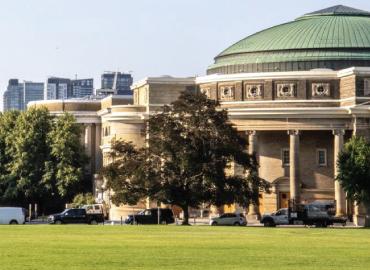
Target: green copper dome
(336, 37)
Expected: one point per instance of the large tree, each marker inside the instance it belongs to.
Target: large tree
(41, 157)
(65, 168)
(354, 172)
(191, 147)
(30, 152)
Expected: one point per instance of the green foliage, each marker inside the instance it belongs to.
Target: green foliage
(127, 173)
(354, 169)
(29, 152)
(191, 145)
(7, 124)
(82, 199)
(41, 157)
(67, 155)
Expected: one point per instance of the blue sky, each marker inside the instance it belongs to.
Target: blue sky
(41, 38)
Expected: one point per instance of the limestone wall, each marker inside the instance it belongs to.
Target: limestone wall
(317, 182)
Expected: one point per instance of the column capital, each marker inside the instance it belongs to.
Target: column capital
(339, 132)
(294, 132)
(251, 132)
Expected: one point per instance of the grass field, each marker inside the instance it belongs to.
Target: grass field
(175, 247)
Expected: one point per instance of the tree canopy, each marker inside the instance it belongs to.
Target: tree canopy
(354, 171)
(191, 147)
(41, 157)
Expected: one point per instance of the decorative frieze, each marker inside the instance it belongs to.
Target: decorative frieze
(321, 90)
(286, 90)
(206, 91)
(253, 91)
(227, 92)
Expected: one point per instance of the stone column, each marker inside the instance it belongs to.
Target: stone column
(294, 165)
(87, 140)
(89, 144)
(96, 159)
(254, 211)
(88, 147)
(340, 196)
(98, 151)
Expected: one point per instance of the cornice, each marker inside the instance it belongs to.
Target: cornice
(163, 80)
(354, 71)
(313, 74)
(270, 113)
(61, 101)
(289, 75)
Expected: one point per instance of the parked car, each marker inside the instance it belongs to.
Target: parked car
(150, 216)
(229, 219)
(74, 216)
(12, 215)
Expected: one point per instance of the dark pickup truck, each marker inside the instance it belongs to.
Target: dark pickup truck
(75, 216)
(150, 216)
(318, 213)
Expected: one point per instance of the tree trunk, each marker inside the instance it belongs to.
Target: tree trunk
(185, 209)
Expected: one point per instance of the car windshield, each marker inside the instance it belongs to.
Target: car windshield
(65, 211)
(147, 213)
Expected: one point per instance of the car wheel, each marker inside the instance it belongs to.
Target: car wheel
(93, 222)
(214, 223)
(13, 222)
(236, 224)
(58, 222)
(269, 223)
(321, 224)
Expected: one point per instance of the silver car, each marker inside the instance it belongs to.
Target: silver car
(229, 219)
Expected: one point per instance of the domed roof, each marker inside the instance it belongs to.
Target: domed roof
(338, 33)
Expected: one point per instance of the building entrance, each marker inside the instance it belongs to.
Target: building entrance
(284, 199)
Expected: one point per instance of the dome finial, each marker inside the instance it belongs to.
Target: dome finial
(338, 10)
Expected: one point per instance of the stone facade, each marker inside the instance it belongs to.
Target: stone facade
(298, 122)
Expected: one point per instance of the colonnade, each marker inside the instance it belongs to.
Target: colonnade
(294, 168)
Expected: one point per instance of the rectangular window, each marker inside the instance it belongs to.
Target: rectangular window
(321, 157)
(285, 157)
(367, 87)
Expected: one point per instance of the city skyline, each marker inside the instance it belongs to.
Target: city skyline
(147, 38)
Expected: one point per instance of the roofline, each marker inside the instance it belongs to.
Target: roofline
(51, 101)
(333, 14)
(163, 80)
(314, 74)
(117, 97)
(290, 50)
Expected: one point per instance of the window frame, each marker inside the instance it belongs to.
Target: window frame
(366, 87)
(318, 150)
(283, 163)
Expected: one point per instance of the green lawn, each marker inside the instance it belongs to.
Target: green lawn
(175, 247)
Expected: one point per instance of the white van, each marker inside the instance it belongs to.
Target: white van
(12, 215)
